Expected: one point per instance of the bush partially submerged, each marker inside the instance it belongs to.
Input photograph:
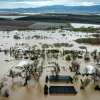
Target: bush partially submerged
(63, 45)
(16, 37)
(68, 58)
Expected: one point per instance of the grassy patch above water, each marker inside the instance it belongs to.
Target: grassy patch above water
(88, 29)
(92, 41)
(96, 35)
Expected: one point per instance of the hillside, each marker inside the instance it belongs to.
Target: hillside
(94, 19)
(95, 9)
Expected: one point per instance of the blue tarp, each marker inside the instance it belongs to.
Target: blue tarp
(62, 90)
(60, 78)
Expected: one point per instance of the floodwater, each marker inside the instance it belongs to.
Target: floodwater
(35, 90)
(11, 17)
(78, 25)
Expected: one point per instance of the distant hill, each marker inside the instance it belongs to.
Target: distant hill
(4, 19)
(95, 9)
(55, 17)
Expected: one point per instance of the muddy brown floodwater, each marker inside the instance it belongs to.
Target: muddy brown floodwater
(35, 91)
